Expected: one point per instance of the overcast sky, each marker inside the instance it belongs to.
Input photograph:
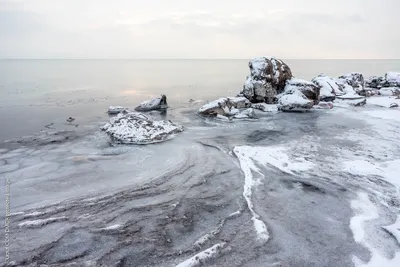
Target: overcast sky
(199, 28)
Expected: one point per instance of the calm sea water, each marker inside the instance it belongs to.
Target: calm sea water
(34, 93)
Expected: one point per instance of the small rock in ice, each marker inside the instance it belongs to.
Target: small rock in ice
(153, 104)
(246, 114)
(115, 109)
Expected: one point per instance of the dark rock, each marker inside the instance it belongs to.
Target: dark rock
(159, 103)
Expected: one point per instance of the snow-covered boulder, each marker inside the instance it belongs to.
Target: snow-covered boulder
(393, 78)
(267, 79)
(115, 109)
(309, 89)
(135, 128)
(355, 80)
(329, 88)
(294, 100)
(226, 106)
(346, 88)
(153, 104)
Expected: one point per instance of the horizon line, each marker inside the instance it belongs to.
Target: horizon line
(195, 58)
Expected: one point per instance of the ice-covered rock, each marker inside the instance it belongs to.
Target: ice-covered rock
(346, 88)
(355, 80)
(329, 88)
(265, 107)
(309, 89)
(115, 109)
(226, 106)
(391, 79)
(324, 105)
(267, 79)
(136, 128)
(294, 100)
(153, 104)
(246, 114)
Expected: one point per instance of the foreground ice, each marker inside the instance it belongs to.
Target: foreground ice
(273, 192)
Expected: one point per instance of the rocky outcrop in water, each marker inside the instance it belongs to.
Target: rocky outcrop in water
(267, 78)
(153, 104)
(135, 128)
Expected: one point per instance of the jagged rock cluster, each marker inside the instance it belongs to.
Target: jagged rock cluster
(270, 87)
(271, 81)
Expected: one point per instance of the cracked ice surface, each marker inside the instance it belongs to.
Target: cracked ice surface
(320, 189)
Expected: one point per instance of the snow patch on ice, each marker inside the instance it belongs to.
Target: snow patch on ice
(366, 211)
(388, 170)
(383, 101)
(112, 227)
(200, 258)
(38, 223)
(275, 156)
(362, 167)
(394, 229)
(8, 168)
(389, 114)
